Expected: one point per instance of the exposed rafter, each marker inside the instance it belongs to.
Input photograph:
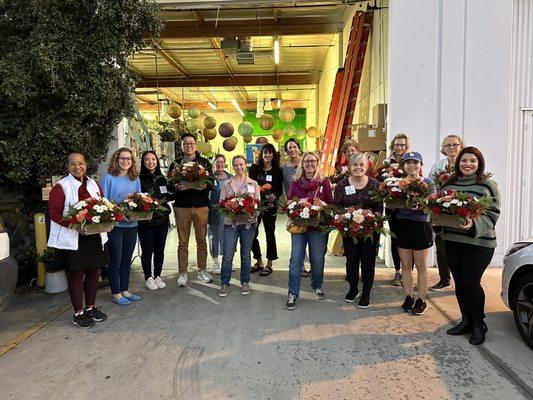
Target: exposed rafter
(223, 105)
(172, 61)
(146, 99)
(170, 95)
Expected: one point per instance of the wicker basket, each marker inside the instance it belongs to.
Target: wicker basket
(312, 223)
(140, 216)
(93, 229)
(452, 221)
(197, 185)
(394, 204)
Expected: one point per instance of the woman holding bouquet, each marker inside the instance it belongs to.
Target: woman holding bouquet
(440, 172)
(415, 238)
(309, 182)
(121, 179)
(153, 233)
(354, 191)
(239, 228)
(470, 248)
(215, 228)
(267, 173)
(81, 255)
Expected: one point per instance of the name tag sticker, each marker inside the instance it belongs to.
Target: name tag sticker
(251, 188)
(163, 189)
(349, 190)
(268, 178)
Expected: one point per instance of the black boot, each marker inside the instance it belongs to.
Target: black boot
(478, 333)
(461, 328)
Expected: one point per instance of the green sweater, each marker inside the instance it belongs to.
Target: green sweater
(482, 232)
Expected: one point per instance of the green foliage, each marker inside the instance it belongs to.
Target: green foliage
(64, 81)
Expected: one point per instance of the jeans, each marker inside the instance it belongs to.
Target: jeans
(215, 233)
(230, 237)
(318, 242)
(121, 245)
(442, 260)
(152, 240)
(361, 252)
(185, 217)
(269, 221)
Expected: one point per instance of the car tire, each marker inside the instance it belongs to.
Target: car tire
(522, 304)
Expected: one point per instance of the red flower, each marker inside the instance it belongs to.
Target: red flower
(462, 212)
(436, 210)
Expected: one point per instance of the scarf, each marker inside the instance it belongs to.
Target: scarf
(310, 186)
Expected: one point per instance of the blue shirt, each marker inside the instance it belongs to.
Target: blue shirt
(418, 215)
(116, 188)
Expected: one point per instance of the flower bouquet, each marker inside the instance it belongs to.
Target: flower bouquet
(191, 175)
(305, 213)
(94, 215)
(239, 207)
(401, 192)
(358, 223)
(389, 170)
(451, 208)
(139, 207)
(341, 172)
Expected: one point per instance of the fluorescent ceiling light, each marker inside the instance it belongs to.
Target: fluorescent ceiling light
(276, 50)
(237, 107)
(279, 103)
(213, 106)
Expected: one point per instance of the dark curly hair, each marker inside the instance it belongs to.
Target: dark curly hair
(275, 158)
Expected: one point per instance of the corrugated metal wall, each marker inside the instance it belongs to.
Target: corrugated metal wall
(519, 202)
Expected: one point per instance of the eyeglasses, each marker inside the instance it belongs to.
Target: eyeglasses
(400, 145)
(124, 158)
(451, 145)
(310, 161)
(188, 144)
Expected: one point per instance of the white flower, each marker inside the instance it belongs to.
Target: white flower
(454, 201)
(132, 204)
(347, 215)
(395, 165)
(241, 203)
(96, 219)
(337, 216)
(291, 206)
(358, 218)
(345, 228)
(305, 213)
(315, 208)
(459, 203)
(100, 208)
(447, 204)
(80, 205)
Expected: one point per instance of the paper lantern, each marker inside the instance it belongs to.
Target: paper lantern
(266, 122)
(300, 133)
(286, 114)
(209, 133)
(174, 111)
(313, 132)
(194, 112)
(234, 139)
(277, 139)
(247, 139)
(210, 122)
(245, 128)
(261, 140)
(200, 119)
(289, 130)
(192, 125)
(228, 144)
(277, 134)
(225, 129)
(203, 147)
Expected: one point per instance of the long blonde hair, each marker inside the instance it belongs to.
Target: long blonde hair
(114, 169)
(319, 175)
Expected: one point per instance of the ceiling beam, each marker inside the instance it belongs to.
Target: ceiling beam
(224, 80)
(172, 62)
(146, 99)
(223, 105)
(170, 95)
(251, 27)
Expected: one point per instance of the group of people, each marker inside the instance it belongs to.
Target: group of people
(466, 251)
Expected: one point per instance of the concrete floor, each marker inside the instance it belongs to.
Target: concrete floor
(187, 343)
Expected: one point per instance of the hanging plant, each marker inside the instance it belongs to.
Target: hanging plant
(166, 131)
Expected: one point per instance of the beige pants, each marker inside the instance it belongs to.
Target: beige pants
(185, 217)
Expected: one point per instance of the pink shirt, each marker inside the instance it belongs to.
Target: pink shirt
(234, 187)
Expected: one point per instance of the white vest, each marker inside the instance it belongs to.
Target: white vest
(66, 238)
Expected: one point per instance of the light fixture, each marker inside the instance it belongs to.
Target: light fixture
(213, 106)
(237, 107)
(276, 50)
(279, 103)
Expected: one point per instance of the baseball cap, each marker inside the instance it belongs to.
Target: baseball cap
(412, 155)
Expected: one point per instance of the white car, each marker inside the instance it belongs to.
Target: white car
(8, 268)
(517, 286)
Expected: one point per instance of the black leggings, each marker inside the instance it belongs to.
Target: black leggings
(363, 252)
(468, 263)
(393, 223)
(269, 222)
(152, 240)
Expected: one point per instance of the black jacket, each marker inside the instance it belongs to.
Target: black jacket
(154, 185)
(192, 198)
(275, 178)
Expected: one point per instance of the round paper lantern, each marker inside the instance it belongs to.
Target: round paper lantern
(277, 134)
(289, 130)
(209, 133)
(313, 132)
(261, 140)
(228, 144)
(194, 112)
(266, 122)
(174, 111)
(192, 125)
(286, 114)
(300, 133)
(210, 122)
(245, 128)
(234, 139)
(247, 139)
(225, 129)
(278, 139)
(201, 118)
(203, 147)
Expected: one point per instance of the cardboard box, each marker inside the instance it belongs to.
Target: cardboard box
(379, 115)
(372, 139)
(381, 157)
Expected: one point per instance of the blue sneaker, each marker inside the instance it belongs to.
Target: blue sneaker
(133, 297)
(121, 301)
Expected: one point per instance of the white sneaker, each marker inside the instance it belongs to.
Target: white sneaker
(205, 276)
(233, 268)
(182, 280)
(216, 267)
(150, 284)
(159, 282)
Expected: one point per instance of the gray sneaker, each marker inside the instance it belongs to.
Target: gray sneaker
(205, 276)
(245, 289)
(291, 302)
(397, 281)
(319, 294)
(224, 290)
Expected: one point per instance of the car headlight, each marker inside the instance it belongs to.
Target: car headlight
(515, 247)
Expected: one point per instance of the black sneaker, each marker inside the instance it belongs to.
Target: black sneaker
(364, 301)
(351, 296)
(408, 303)
(441, 285)
(95, 314)
(291, 302)
(397, 281)
(82, 321)
(420, 307)
(319, 294)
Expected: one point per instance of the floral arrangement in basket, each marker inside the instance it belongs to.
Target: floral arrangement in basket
(389, 170)
(358, 223)
(191, 175)
(401, 192)
(245, 206)
(94, 215)
(306, 212)
(452, 208)
(139, 206)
